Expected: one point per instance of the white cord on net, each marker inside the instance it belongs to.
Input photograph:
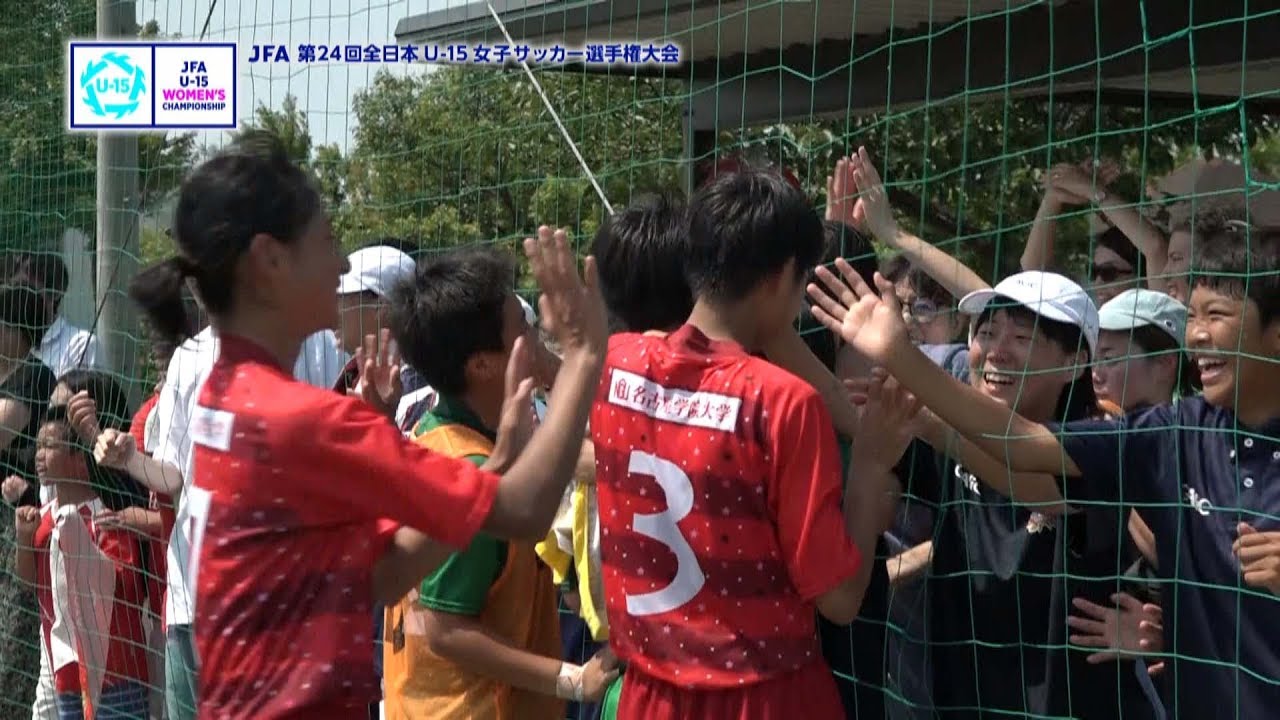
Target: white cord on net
(554, 115)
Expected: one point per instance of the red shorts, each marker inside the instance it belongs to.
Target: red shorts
(809, 693)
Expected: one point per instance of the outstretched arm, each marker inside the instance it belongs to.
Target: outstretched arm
(873, 324)
(872, 211)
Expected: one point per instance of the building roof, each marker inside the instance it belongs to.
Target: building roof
(751, 61)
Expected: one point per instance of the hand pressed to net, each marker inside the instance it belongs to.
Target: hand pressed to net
(13, 489)
(571, 306)
(379, 363)
(114, 448)
(871, 323)
(1131, 628)
(886, 424)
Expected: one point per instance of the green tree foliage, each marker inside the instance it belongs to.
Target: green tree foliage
(47, 176)
(481, 142)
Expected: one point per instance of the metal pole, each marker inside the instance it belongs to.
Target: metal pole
(117, 227)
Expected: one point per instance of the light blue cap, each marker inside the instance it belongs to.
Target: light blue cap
(1138, 307)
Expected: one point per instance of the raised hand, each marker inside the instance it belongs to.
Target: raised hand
(886, 426)
(13, 489)
(1075, 182)
(379, 363)
(26, 519)
(114, 449)
(872, 211)
(82, 413)
(1129, 629)
(871, 323)
(516, 423)
(1259, 554)
(571, 306)
(842, 196)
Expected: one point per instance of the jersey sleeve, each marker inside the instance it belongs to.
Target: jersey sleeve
(807, 486)
(446, 498)
(461, 584)
(1115, 457)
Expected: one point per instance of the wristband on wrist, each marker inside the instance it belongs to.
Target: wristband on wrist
(569, 682)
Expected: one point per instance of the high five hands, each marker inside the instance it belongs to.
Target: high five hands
(869, 321)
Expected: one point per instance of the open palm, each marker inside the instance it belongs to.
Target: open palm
(872, 323)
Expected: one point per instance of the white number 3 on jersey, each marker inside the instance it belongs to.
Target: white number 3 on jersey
(662, 527)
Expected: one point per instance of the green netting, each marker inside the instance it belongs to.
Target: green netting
(963, 105)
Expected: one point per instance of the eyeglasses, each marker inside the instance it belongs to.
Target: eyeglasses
(1110, 273)
(922, 311)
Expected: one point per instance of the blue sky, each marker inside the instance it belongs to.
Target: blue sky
(324, 90)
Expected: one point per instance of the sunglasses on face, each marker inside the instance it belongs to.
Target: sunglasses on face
(1110, 273)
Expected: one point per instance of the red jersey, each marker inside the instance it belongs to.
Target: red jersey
(719, 487)
(290, 488)
(158, 549)
(70, 608)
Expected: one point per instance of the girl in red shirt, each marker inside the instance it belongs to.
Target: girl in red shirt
(307, 506)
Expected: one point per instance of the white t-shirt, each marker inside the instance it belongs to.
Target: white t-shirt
(319, 363)
(65, 347)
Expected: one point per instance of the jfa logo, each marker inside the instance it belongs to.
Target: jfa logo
(151, 85)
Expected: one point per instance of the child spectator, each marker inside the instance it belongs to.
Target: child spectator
(90, 580)
(480, 637)
(1140, 359)
(1203, 471)
(712, 576)
(272, 485)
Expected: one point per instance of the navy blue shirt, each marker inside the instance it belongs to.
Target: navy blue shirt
(1195, 474)
(999, 589)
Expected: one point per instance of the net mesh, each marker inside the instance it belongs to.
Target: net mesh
(964, 107)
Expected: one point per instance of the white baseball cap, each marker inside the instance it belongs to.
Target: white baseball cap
(375, 269)
(529, 315)
(1137, 307)
(1046, 294)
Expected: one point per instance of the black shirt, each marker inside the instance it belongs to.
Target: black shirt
(30, 384)
(1000, 587)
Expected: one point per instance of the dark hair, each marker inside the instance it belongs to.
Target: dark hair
(106, 393)
(44, 269)
(1077, 400)
(895, 268)
(115, 487)
(846, 241)
(23, 309)
(640, 253)
(744, 227)
(1117, 242)
(249, 188)
(1239, 260)
(1151, 340)
(453, 308)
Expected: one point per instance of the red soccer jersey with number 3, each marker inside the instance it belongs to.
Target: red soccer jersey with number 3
(719, 485)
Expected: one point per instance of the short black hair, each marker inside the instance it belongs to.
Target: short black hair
(895, 268)
(22, 308)
(745, 226)
(106, 393)
(846, 241)
(1238, 259)
(640, 253)
(452, 308)
(249, 187)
